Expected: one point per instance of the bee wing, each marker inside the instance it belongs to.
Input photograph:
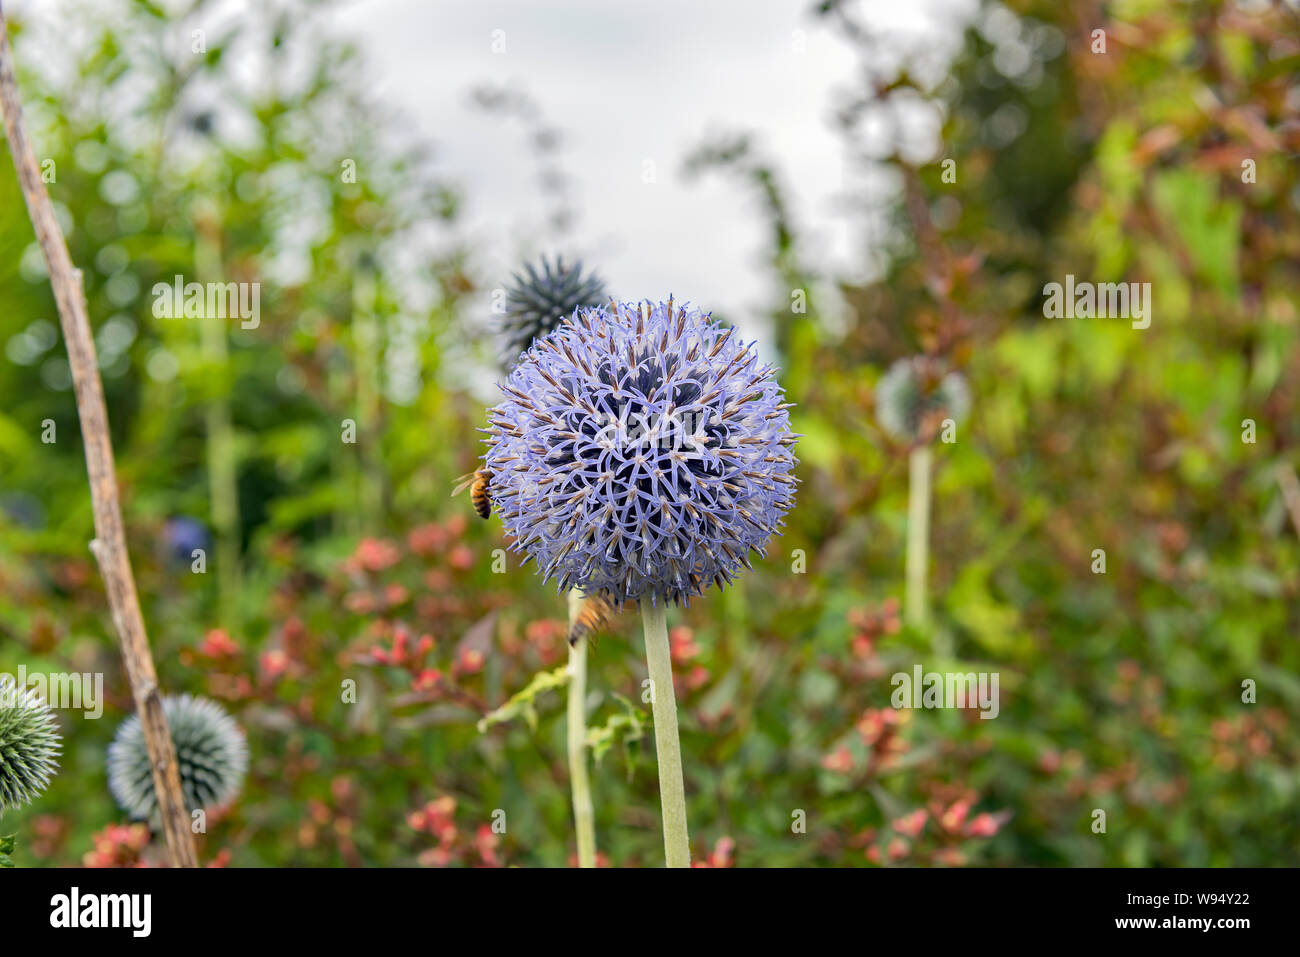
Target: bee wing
(593, 617)
(464, 482)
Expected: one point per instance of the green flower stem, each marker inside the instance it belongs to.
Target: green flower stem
(366, 355)
(583, 811)
(223, 464)
(672, 793)
(918, 536)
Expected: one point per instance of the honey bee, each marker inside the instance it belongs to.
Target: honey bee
(477, 483)
(593, 615)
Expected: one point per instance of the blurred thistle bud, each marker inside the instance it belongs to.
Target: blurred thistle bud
(211, 755)
(918, 393)
(23, 509)
(202, 122)
(182, 535)
(641, 451)
(540, 300)
(29, 744)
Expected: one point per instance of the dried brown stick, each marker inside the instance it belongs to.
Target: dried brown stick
(109, 546)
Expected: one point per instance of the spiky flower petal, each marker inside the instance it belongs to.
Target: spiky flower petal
(641, 451)
(29, 744)
(211, 755)
(541, 299)
(916, 393)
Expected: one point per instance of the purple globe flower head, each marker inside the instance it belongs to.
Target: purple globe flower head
(641, 451)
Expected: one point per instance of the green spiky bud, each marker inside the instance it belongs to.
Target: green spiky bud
(29, 744)
(540, 300)
(917, 392)
(211, 755)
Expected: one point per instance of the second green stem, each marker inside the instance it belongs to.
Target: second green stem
(583, 810)
(918, 536)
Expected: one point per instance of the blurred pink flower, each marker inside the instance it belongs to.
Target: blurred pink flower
(426, 539)
(374, 555)
(911, 825)
(682, 641)
(840, 761)
(426, 680)
(720, 856)
(274, 664)
(470, 662)
(217, 644)
(118, 845)
(986, 825)
(955, 816)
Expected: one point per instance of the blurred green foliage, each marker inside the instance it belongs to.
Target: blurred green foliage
(1121, 691)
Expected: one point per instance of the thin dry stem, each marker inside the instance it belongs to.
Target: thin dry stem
(109, 545)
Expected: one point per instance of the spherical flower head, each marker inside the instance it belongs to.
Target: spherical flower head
(540, 299)
(915, 394)
(29, 744)
(641, 451)
(211, 755)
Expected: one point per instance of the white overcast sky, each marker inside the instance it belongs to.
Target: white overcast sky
(630, 83)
